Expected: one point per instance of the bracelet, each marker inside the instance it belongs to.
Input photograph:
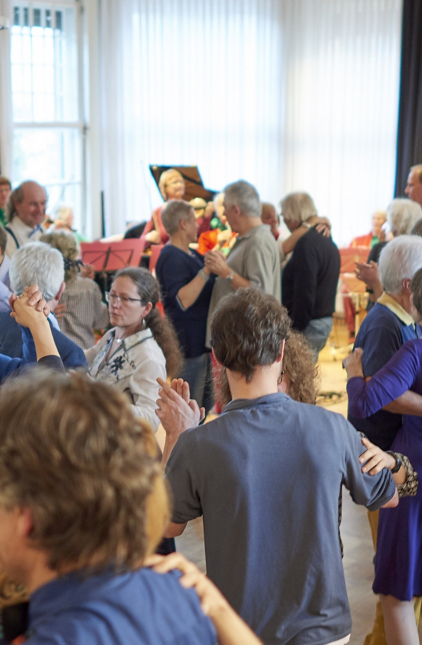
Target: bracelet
(230, 277)
(396, 456)
(306, 225)
(203, 275)
(410, 486)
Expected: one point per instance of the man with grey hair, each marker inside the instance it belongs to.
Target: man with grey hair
(254, 260)
(414, 184)
(40, 264)
(387, 326)
(25, 214)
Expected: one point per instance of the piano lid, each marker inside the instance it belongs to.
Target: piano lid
(193, 181)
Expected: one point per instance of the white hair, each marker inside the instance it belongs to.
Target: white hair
(297, 207)
(402, 215)
(399, 260)
(37, 263)
(245, 196)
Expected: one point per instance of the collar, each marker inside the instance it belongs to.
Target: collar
(251, 232)
(53, 321)
(17, 224)
(396, 309)
(134, 339)
(269, 399)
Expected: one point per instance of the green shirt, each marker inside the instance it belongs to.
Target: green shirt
(3, 217)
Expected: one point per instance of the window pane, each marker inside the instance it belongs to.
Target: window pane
(53, 158)
(44, 63)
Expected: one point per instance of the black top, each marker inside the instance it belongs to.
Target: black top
(174, 270)
(310, 279)
(375, 253)
(52, 362)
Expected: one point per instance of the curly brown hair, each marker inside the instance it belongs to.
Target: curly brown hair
(162, 329)
(299, 369)
(247, 330)
(300, 373)
(72, 452)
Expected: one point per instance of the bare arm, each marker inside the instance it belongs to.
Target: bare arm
(289, 244)
(407, 403)
(37, 323)
(177, 412)
(174, 530)
(215, 261)
(190, 292)
(230, 628)
(393, 501)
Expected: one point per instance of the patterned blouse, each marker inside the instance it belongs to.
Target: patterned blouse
(133, 368)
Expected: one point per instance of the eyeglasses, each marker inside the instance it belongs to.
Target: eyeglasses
(111, 297)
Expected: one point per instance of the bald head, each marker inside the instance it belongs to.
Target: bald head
(414, 184)
(28, 202)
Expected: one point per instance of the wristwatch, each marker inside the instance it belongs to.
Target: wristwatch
(230, 277)
(398, 461)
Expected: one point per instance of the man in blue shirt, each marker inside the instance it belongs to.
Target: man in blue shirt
(82, 503)
(266, 476)
(38, 263)
(387, 326)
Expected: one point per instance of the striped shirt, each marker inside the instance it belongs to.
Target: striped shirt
(85, 311)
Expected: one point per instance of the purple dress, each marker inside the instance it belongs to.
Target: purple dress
(398, 562)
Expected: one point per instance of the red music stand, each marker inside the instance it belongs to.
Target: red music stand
(155, 254)
(95, 253)
(126, 253)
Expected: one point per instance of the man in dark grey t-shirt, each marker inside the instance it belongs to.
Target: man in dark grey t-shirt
(266, 476)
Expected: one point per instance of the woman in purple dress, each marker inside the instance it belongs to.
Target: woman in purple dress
(398, 563)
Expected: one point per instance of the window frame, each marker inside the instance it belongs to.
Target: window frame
(80, 122)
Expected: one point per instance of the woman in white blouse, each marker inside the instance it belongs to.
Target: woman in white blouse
(141, 346)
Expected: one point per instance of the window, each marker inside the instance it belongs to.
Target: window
(48, 128)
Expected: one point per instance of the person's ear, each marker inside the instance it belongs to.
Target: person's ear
(148, 309)
(60, 291)
(24, 522)
(280, 357)
(215, 358)
(406, 285)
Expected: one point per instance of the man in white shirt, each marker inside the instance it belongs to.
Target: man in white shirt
(26, 211)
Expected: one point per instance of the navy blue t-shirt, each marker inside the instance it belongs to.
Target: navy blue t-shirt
(380, 336)
(266, 475)
(141, 607)
(174, 270)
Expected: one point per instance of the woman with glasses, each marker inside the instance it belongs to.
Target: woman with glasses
(141, 346)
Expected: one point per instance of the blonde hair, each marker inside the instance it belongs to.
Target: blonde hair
(298, 207)
(165, 178)
(72, 452)
(67, 245)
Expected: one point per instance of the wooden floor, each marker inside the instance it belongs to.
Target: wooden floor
(358, 551)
